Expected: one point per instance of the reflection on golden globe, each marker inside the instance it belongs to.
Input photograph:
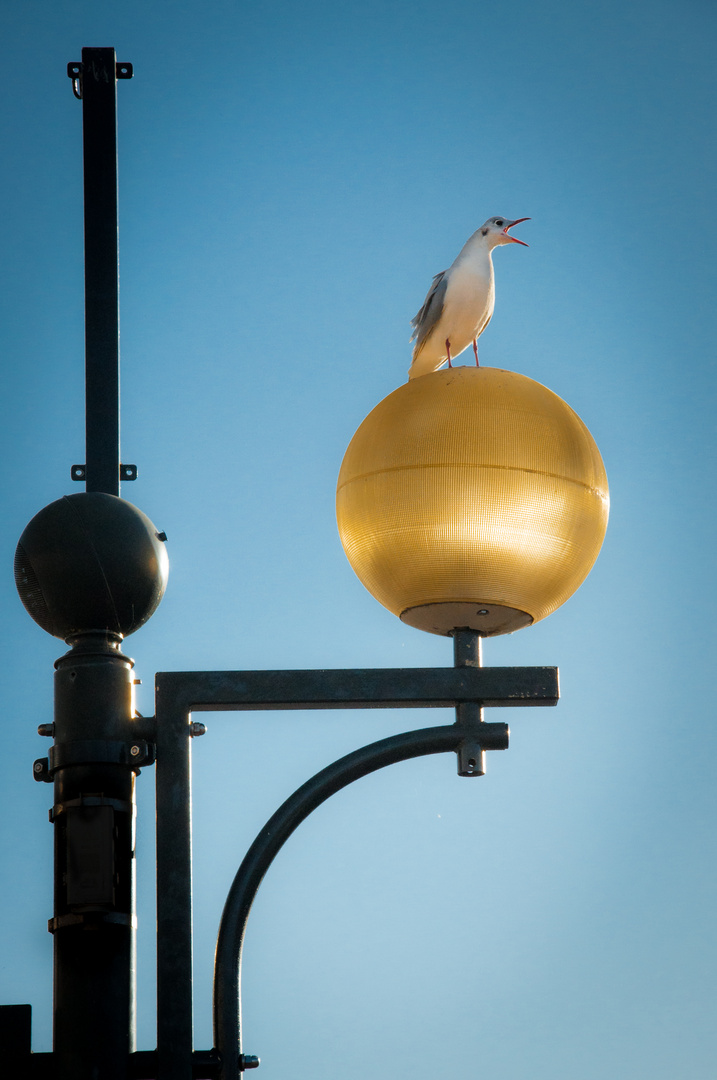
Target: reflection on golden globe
(472, 497)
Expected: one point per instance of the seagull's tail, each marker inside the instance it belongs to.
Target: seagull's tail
(424, 363)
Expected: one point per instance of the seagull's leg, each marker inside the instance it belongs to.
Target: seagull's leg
(475, 351)
(448, 350)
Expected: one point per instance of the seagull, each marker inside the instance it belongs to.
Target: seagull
(460, 301)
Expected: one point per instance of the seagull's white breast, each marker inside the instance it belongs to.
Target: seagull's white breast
(468, 305)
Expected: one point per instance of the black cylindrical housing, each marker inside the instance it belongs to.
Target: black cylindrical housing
(93, 815)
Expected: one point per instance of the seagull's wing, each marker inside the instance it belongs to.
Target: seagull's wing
(431, 311)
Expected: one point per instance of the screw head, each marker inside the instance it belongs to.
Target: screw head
(135, 751)
(196, 728)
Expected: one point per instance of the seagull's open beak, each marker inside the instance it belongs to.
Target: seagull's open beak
(510, 226)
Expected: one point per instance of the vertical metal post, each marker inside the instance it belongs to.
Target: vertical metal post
(467, 652)
(99, 139)
(93, 815)
(90, 761)
(175, 1034)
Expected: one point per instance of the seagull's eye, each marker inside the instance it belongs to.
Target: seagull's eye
(500, 224)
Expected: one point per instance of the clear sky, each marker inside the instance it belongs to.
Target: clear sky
(291, 177)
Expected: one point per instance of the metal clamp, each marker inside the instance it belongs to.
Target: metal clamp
(120, 805)
(479, 737)
(127, 472)
(100, 752)
(75, 72)
(93, 752)
(82, 918)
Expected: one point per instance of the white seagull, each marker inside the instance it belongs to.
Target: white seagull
(460, 301)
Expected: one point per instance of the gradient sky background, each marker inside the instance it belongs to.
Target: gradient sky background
(291, 177)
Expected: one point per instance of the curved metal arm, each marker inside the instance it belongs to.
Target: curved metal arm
(258, 859)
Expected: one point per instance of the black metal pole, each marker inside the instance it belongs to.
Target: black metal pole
(91, 761)
(175, 1025)
(93, 814)
(99, 139)
(468, 653)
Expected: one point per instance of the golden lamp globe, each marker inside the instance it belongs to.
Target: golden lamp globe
(472, 498)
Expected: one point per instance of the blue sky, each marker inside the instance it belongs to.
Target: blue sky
(291, 177)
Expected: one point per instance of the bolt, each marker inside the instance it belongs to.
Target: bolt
(248, 1061)
(195, 730)
(38, 767)
(47, 730)
(135, 751)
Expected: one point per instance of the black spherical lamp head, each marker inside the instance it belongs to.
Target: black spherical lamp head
(91, 562)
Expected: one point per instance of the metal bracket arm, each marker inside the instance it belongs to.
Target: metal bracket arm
(367, 688)
(467, 687)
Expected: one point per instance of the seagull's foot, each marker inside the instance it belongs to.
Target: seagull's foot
(475, 351)
(448, 350)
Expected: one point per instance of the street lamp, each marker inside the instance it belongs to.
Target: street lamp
(470, 503)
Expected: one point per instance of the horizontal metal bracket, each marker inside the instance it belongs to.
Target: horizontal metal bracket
(127, 472)
(122, 71)
(369, 688)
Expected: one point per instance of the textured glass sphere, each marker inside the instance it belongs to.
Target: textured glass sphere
(472, 497)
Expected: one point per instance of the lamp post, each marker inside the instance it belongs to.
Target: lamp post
(91, 569)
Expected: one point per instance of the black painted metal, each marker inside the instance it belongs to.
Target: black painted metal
(227, 973)
(178, 694)
(367, 688)
(93, 759)
(93, 815)
(467, 653)
(127, 472)
(19, 1063)
(15, 1038)
(143, 1065)
(99, 128)
(174, 885)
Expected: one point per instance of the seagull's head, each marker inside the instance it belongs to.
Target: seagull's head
(495, 230)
